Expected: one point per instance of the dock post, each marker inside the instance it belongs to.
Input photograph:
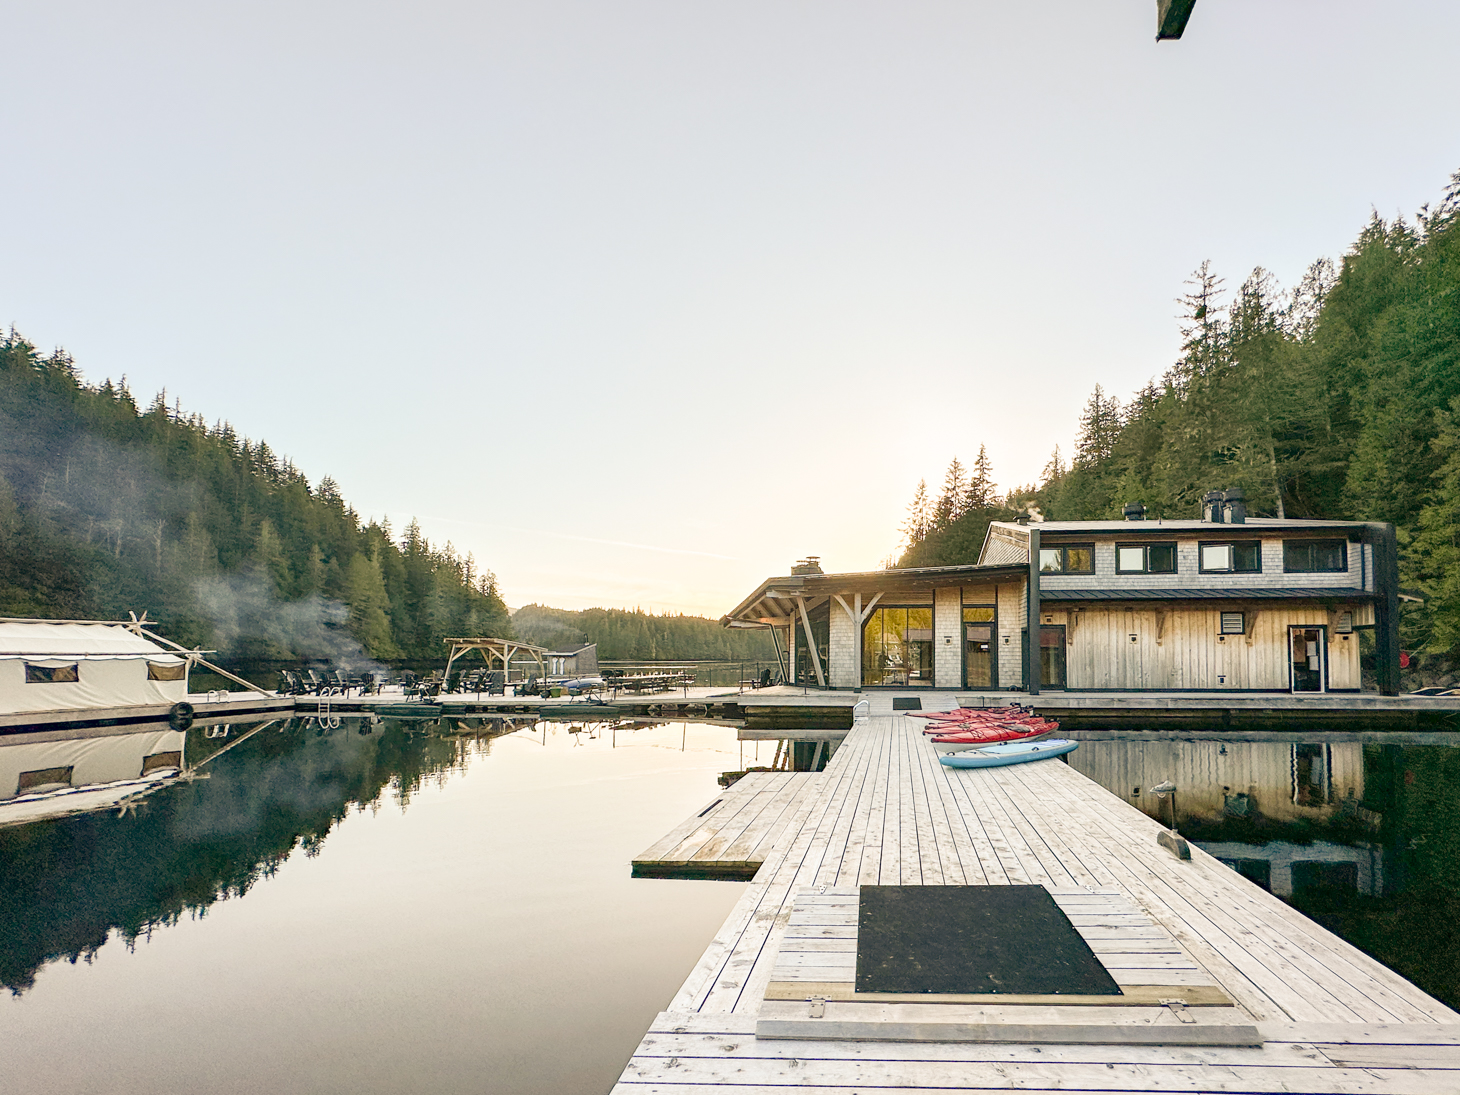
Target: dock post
(1031, 626)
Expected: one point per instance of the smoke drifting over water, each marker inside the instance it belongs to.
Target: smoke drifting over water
(249, 620)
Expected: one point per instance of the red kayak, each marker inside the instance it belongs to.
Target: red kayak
(974, 724)
(1010, 732)
(970, 712)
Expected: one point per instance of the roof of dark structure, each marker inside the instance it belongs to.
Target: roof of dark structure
(1243, 593)
(874, 581)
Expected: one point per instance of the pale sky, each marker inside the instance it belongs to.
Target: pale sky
(639, 302)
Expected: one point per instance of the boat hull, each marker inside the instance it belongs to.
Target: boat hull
(1018, 752)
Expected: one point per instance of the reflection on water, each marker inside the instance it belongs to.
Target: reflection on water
(1360, 835)
(348, 904)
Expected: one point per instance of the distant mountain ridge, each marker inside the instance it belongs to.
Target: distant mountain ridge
(632, 634)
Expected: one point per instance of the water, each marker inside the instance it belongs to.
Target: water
(394, 911)
(1360, 832)
(410, 909)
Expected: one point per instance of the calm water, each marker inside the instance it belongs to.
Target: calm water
(407, 909)
(384, 912)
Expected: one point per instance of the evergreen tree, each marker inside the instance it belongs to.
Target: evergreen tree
(952, 499)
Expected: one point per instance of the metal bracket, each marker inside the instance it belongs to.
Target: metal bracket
(1178, 1008)
(818, 1006)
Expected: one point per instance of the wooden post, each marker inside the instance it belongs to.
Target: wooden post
(1031, 637)
(1386, 607)
(810, 641)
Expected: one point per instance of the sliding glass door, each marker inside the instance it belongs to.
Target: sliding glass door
(897, 648)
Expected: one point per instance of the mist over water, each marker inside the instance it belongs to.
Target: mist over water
(244, 606)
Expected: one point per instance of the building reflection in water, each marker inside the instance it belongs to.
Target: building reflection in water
(1290, 816)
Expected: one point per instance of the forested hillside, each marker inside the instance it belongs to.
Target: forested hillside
(1339, 398)
(105, 509)
(636, 635)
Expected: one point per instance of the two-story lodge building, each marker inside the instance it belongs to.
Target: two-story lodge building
(1225, 603)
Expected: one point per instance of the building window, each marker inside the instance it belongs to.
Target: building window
(50, 674)
(1145, 558)
(1234, 623)
(1315, 556)
(1240, 558)
(1067, 559)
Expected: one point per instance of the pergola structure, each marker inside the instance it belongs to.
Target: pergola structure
(495, 651)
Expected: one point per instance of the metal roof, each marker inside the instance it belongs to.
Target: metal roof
(775, 598)
(1151, 525)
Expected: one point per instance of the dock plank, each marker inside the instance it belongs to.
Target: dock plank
(885, 811)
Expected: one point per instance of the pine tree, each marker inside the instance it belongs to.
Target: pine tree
(919, 520)
(981, 486)
(952, 500)
(1099, 427)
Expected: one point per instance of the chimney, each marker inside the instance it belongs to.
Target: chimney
(1234, 507)
(1135, 511)
(809, 565)
(1211, 507)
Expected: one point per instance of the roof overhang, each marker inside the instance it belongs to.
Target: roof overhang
(776, 600)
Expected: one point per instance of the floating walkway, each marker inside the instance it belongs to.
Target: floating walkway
(1223, 986)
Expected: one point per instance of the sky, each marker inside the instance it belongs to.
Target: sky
(639, 302)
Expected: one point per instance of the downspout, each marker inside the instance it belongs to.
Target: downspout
(1386, 607)
(1031, 636)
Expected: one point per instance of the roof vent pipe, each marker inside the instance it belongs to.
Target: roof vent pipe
(1135, 511)
(1211, 507)
(1234, 507)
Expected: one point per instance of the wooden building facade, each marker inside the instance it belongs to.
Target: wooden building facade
(1224, 603)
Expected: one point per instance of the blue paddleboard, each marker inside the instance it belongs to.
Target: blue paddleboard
(1014, 752)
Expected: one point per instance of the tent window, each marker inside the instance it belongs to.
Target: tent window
(160, 671)
(44, 779)
(48, 674)
(154, 761)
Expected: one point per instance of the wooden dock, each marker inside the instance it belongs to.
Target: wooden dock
(732, 836)
(885, 812)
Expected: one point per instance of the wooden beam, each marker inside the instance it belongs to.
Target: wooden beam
(1031, 626)
(811, 641)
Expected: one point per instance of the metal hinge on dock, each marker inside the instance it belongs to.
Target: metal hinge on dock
(1178, 1008)
(818, 1006)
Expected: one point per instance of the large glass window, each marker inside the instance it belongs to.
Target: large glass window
(1244, 557)
(1145, 558)
(1310, 556)
(1067, 559)
(897, 648)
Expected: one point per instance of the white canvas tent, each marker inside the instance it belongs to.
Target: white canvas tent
(54, 665)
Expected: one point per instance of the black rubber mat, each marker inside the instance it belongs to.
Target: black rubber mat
(906, 703)
(973, 939)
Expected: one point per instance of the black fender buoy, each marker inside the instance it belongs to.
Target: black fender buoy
(181, 715)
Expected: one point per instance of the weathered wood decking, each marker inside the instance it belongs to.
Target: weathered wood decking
(886, 812)
(732, 836)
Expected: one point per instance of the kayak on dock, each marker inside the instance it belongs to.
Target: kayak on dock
(994, 734)
(971, 712)
(992, 720)
(1018, 752)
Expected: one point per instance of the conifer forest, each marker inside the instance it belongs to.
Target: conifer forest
(1337, 398)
